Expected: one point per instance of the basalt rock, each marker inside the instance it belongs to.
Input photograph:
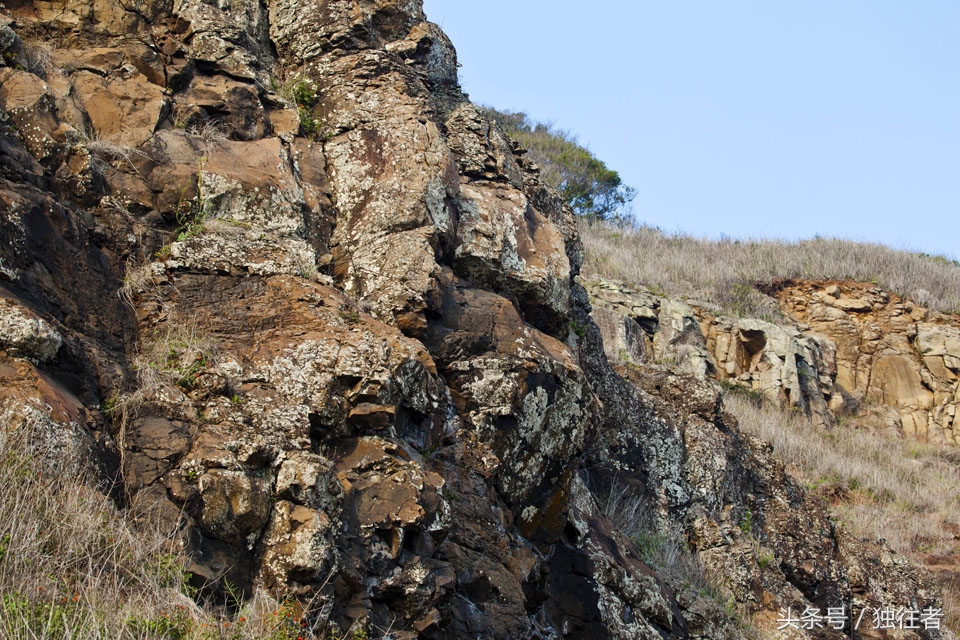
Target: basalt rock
(349, 354)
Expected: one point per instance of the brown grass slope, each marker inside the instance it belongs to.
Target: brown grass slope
(75, 567)
(901, 491)
(721, 271)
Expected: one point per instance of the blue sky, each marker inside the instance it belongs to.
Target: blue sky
(742, 118)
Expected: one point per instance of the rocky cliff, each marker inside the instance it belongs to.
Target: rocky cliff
(266, 267)
(842, 349)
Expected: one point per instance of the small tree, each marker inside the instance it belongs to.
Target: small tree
(584, 181)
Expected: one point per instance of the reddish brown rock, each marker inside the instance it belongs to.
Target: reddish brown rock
(234, 106)
(31, 106)
(353, 367)
(122, 111)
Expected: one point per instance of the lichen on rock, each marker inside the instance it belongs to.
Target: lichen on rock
(351, 362)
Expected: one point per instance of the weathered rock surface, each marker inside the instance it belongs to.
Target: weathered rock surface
(890, 353)
(349, 353)
(848, 349)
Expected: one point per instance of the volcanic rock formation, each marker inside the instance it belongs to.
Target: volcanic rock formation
(350, 360)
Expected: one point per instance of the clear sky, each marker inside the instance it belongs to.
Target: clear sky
(762, 118)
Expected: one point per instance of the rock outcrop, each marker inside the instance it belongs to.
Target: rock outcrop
(843, 349)
(892, 355)
(350, 361)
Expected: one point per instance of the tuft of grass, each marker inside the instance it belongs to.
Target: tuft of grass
(664, 549)
(38, 59)
(109, 151)
(193, 121)
(350, 316)
(103, 153)
(749, 394)
(578, 328)
(136, 280)
(177, 355)
(191, 213)
(725, 271)
(211, 130)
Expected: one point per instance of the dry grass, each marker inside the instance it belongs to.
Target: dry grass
(193, 120)
(901, 491)
(38, 59)
(211, 130)
(137, 280)
(104, 152)
(71, 564)
(74, 567)
(662, 548)
(175, 355)
(721, 271)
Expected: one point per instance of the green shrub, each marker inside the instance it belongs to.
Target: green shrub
(583, 180)
(303, 93)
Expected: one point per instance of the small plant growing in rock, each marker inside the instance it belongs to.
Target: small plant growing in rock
(744, 391)
(177, 355)
(746, 522)
(303, 93)
(189, 376)
(191, 213)
(307, 269)
(4, 541)
(649, 543)
(349, 316)
(110, 405)
(578, 328)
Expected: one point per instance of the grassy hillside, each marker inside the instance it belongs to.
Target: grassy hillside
(722, 271)
(902, 491)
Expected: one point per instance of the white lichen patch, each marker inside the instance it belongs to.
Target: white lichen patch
(63, 447)
(264, 209)
(25, 335)
(551, 424)
(244, 250)
(7, 272)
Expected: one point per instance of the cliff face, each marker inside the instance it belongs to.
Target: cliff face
(349, 359)
(843, 349)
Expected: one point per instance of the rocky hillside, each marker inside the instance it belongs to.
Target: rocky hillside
(844, 349)
(268, 274)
